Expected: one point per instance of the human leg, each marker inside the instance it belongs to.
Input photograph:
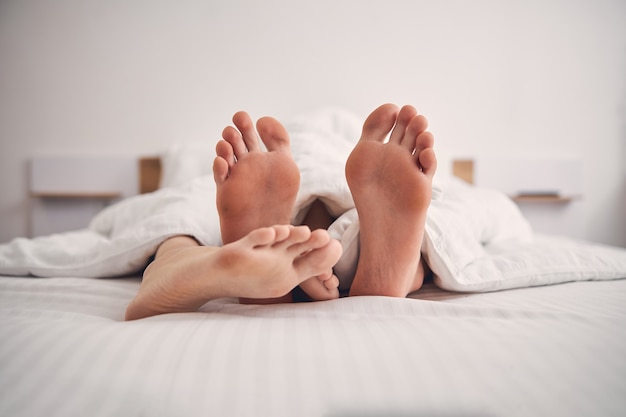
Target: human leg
(257, 188)
(391, 183)
(267, 263)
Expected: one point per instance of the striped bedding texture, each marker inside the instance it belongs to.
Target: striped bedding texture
(544, 351)
(533, 350)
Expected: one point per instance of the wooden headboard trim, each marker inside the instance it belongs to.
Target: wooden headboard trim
(464, 169)
(149, 174)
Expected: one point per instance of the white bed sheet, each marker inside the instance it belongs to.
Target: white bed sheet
(543, 351)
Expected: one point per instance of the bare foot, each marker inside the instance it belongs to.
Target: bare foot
(391, 183)
(267, 263)
(256, 188)
(323, 287)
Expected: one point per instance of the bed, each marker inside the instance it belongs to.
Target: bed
(512, 324)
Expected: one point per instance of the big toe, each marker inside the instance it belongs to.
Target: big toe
(380, 122)
(318, 261)
(273, 134)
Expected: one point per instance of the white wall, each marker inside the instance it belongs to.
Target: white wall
(494, 77)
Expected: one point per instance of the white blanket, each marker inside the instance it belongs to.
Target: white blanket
(475, 240)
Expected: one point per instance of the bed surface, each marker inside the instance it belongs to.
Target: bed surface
(533, 350)
(543, 351)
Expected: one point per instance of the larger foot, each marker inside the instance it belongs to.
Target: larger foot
(258, 188)
(255, 188)
(391, 183)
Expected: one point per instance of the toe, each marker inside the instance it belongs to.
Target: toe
(316, 239)
(379, 123)
(298, 236)
(250, 137)
(424, 141)
(318, 261)
(317, 288)
(273, 134)
(220, 170)
(282, 232)
(260, 237)
(407, 113)
(416, 127)
(233, 137)
(332, 283)
(330, 280)
(428, 162)
(225, 150)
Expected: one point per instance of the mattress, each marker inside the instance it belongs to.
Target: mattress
(555, 350)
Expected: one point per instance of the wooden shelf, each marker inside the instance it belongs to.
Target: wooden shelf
(107, 195)
(544, 198)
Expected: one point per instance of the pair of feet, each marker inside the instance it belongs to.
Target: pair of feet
(390, 181)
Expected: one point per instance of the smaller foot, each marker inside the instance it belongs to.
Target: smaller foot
(322, 287)
(326, 286)
(267, 263)
(391, 183)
